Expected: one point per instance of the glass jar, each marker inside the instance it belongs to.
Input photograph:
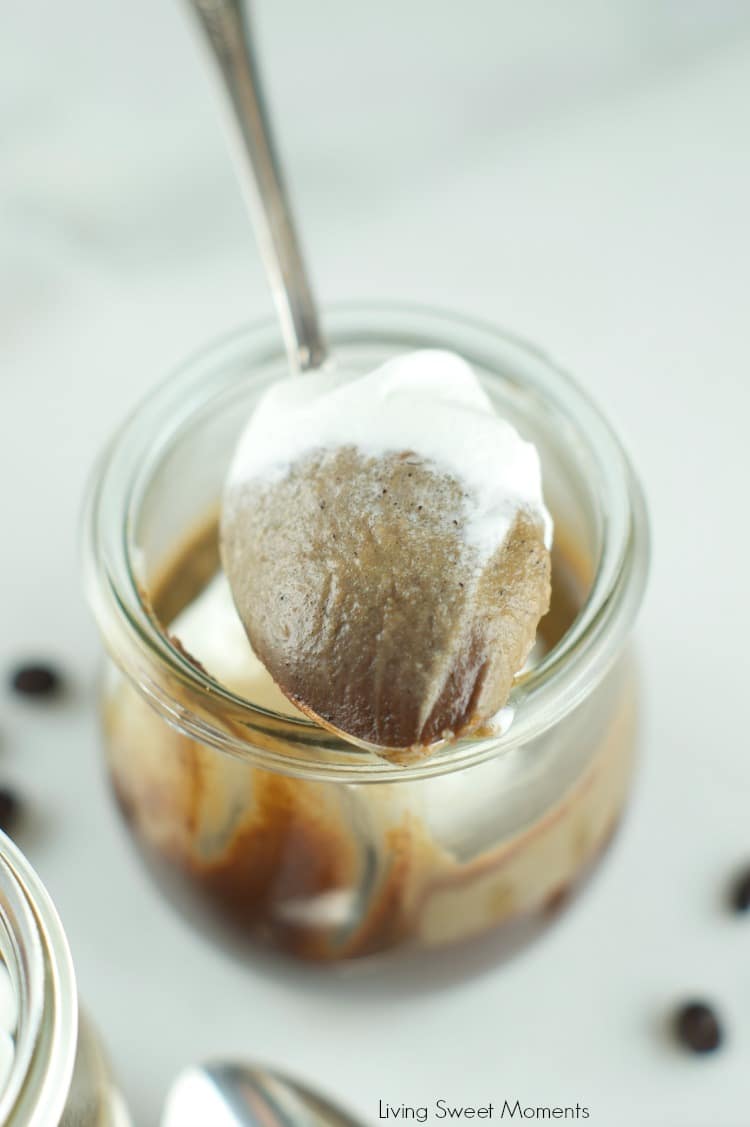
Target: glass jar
(59, 1076)
(261, 823)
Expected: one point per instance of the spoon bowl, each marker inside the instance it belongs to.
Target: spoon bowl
(226, 1094)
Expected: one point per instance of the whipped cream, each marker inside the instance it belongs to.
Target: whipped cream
(429, 402)
(210, 629)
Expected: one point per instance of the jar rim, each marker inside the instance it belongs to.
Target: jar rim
(561, 680)
(39, 962)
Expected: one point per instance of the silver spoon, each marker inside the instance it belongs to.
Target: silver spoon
(254, 556)
(227, 32)
(236, 1095)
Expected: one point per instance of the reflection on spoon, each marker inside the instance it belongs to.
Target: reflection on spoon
(239, 1095)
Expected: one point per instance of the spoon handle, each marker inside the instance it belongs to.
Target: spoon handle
(227, 31)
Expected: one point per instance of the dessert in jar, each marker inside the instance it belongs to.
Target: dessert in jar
(53, 1070)
(263, 824)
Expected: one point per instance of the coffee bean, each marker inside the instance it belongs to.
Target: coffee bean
(35, 680)
(9, 809)
(740, 894)
(698, 1027)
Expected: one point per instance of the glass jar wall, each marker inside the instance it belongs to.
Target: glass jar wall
(263, 826)
(58, 1074)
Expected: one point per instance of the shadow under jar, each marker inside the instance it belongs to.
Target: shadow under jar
(255, 819)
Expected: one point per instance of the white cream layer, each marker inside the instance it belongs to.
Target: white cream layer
(429, 402)
(210, 629)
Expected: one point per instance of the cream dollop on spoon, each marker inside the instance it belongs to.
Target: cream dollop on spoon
(386, 541)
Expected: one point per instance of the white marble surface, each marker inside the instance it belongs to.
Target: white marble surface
(578, 172)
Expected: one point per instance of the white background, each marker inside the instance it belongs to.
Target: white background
(578, 172)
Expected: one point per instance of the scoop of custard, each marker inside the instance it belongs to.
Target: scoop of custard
(391, 590)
